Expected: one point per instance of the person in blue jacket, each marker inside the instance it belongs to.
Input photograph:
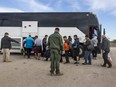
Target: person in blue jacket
(29, 42)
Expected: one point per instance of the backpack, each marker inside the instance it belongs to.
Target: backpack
(91, 46)
(47, 54)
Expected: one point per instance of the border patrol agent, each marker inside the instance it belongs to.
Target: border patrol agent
(55, 44)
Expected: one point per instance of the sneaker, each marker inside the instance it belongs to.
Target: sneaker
(103, 65)
(89, 64)
(76, 63)
(84, 63)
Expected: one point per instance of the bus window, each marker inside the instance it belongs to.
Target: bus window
(95, 32)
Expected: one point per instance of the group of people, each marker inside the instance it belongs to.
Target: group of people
(34, 44)
(38, 46)
(55, 46)
(74, 49)
(71, 48)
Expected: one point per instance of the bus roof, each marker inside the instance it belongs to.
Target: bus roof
(81, 20)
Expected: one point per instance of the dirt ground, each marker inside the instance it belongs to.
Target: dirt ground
(22, 72)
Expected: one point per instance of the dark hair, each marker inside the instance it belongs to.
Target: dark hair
(29, 35)
(46, 35)
(64, 36)
(57, 29)
(75, 35)
(36, 36)
(86, 36)
(6, 33)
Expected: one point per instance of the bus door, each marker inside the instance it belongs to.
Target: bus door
(93, 30)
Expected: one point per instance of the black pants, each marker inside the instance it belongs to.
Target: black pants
(94, 52)
(76, 53)
(28, 52)
(67, 56)
(44, 50)
(105, 57)
(70, 53)
(61, 60)
(47, 54)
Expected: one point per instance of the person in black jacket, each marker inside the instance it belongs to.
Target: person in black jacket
(6, 46)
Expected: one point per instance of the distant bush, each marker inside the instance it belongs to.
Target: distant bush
(114, 41)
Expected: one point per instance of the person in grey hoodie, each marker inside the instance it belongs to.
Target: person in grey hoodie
(105, 46)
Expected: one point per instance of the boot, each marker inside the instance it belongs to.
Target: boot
(59, 74)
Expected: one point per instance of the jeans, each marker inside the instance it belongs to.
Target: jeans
(87, 56)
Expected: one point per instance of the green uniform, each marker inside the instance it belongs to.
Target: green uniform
(55, 44)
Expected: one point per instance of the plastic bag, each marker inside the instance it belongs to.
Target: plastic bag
(109, 58)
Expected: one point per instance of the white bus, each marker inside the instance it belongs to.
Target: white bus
(20, 25)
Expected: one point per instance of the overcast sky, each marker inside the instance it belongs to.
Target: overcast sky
(104, 9)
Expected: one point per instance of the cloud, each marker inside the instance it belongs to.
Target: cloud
(75, 6)
(113, 13)
(102, 5)
(34, 6)
(6, 9)
(67, 5)
(41, 6)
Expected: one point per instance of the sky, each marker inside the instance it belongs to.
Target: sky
(104, 9)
